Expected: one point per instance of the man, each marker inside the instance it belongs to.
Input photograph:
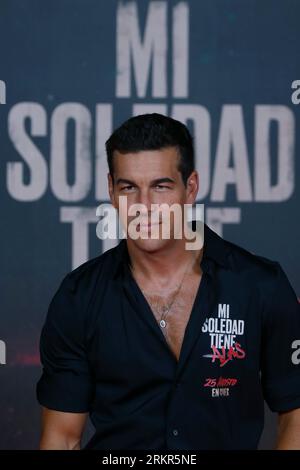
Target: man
(167, 347)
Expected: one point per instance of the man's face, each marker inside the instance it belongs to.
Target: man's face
(150, 177)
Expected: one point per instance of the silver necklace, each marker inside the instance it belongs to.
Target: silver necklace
(167, 308)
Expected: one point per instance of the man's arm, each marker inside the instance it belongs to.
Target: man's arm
(289, 430)
(61, 431)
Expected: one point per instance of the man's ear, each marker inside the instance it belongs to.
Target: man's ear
(192, 187)
(111, 189)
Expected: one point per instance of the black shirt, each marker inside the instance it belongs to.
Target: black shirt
(103, 352)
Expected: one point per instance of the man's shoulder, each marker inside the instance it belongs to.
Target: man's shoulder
(72, 300)
(87, 274)
(245, 261)
(238, 259)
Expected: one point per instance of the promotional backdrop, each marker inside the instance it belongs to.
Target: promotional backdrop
(73, 70)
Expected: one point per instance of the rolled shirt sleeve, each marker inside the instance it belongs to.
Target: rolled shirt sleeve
(65, 384)
(280, 367)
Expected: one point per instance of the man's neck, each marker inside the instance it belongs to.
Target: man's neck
(164, 266)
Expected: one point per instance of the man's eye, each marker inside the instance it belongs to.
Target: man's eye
(160, 186)
(126, 188)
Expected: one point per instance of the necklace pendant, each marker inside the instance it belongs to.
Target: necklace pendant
(162, 323)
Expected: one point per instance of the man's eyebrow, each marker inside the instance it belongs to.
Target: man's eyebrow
(156, 181)
(163, 180)
(124, 181)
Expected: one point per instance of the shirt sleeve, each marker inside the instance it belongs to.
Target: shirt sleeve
(65, 384)
(280, 364)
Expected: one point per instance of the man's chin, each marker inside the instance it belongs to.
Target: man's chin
(151, 244)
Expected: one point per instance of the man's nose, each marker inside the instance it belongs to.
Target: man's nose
(145, 200)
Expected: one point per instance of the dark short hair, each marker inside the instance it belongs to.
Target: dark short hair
(152, 132)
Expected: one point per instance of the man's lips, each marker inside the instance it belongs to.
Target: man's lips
(149, 225)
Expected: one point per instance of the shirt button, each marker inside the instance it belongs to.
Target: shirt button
(175, 432)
